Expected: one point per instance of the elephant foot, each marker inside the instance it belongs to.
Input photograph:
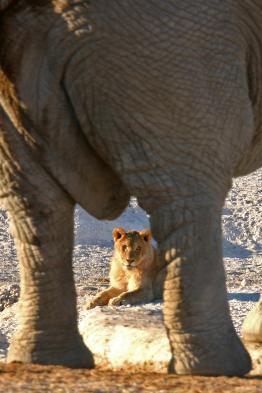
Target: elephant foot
(209, 354)
(72, 353)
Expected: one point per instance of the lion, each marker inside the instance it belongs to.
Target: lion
(136, 274)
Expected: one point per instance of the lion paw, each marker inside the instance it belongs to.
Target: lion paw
(89, 305)
(116, 301)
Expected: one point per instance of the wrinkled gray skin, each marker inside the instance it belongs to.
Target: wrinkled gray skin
(103, 99)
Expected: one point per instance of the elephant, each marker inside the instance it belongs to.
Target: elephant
(101, 100)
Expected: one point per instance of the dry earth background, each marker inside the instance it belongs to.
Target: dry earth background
(242, 219)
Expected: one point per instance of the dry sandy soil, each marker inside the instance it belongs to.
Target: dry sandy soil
(21, 378)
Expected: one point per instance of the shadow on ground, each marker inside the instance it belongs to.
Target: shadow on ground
(244, 297)
(231, 250)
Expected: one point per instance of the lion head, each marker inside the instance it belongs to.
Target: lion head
(132, 246)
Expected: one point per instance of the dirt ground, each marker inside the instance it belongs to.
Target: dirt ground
(56, 379)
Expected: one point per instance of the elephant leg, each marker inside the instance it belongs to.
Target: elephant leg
(47, 331)
(41, 215)
(196, 314)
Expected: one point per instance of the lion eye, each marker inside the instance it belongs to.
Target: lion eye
(124, 247)
(138, 249)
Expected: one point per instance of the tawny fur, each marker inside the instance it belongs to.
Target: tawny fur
(136, 274)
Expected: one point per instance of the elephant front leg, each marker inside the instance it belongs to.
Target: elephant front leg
(47, 332)
(196, 314)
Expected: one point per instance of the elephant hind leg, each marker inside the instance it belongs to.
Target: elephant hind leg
(41, 216)
(196, 314)
(47, 331)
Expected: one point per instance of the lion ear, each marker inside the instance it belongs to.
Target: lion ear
(146, 234)
(118, 233)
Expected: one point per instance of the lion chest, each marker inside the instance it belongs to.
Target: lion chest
(127, 280)
(134, 279)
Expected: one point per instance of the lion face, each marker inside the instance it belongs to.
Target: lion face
(132, 246)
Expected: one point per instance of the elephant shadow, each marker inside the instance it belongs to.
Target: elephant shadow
(231, 250)
(244, 297)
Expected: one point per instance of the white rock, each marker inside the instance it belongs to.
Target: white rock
(124, 338)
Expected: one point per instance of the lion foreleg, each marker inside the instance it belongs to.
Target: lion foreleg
(137, 296)
(103, 297)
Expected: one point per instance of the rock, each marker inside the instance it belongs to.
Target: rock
(252, 337)
(9, 295)
(3, 346)
(125, 338)
(252, 326)
(255, 351)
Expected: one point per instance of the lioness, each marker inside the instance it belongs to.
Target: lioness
(136, 275)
